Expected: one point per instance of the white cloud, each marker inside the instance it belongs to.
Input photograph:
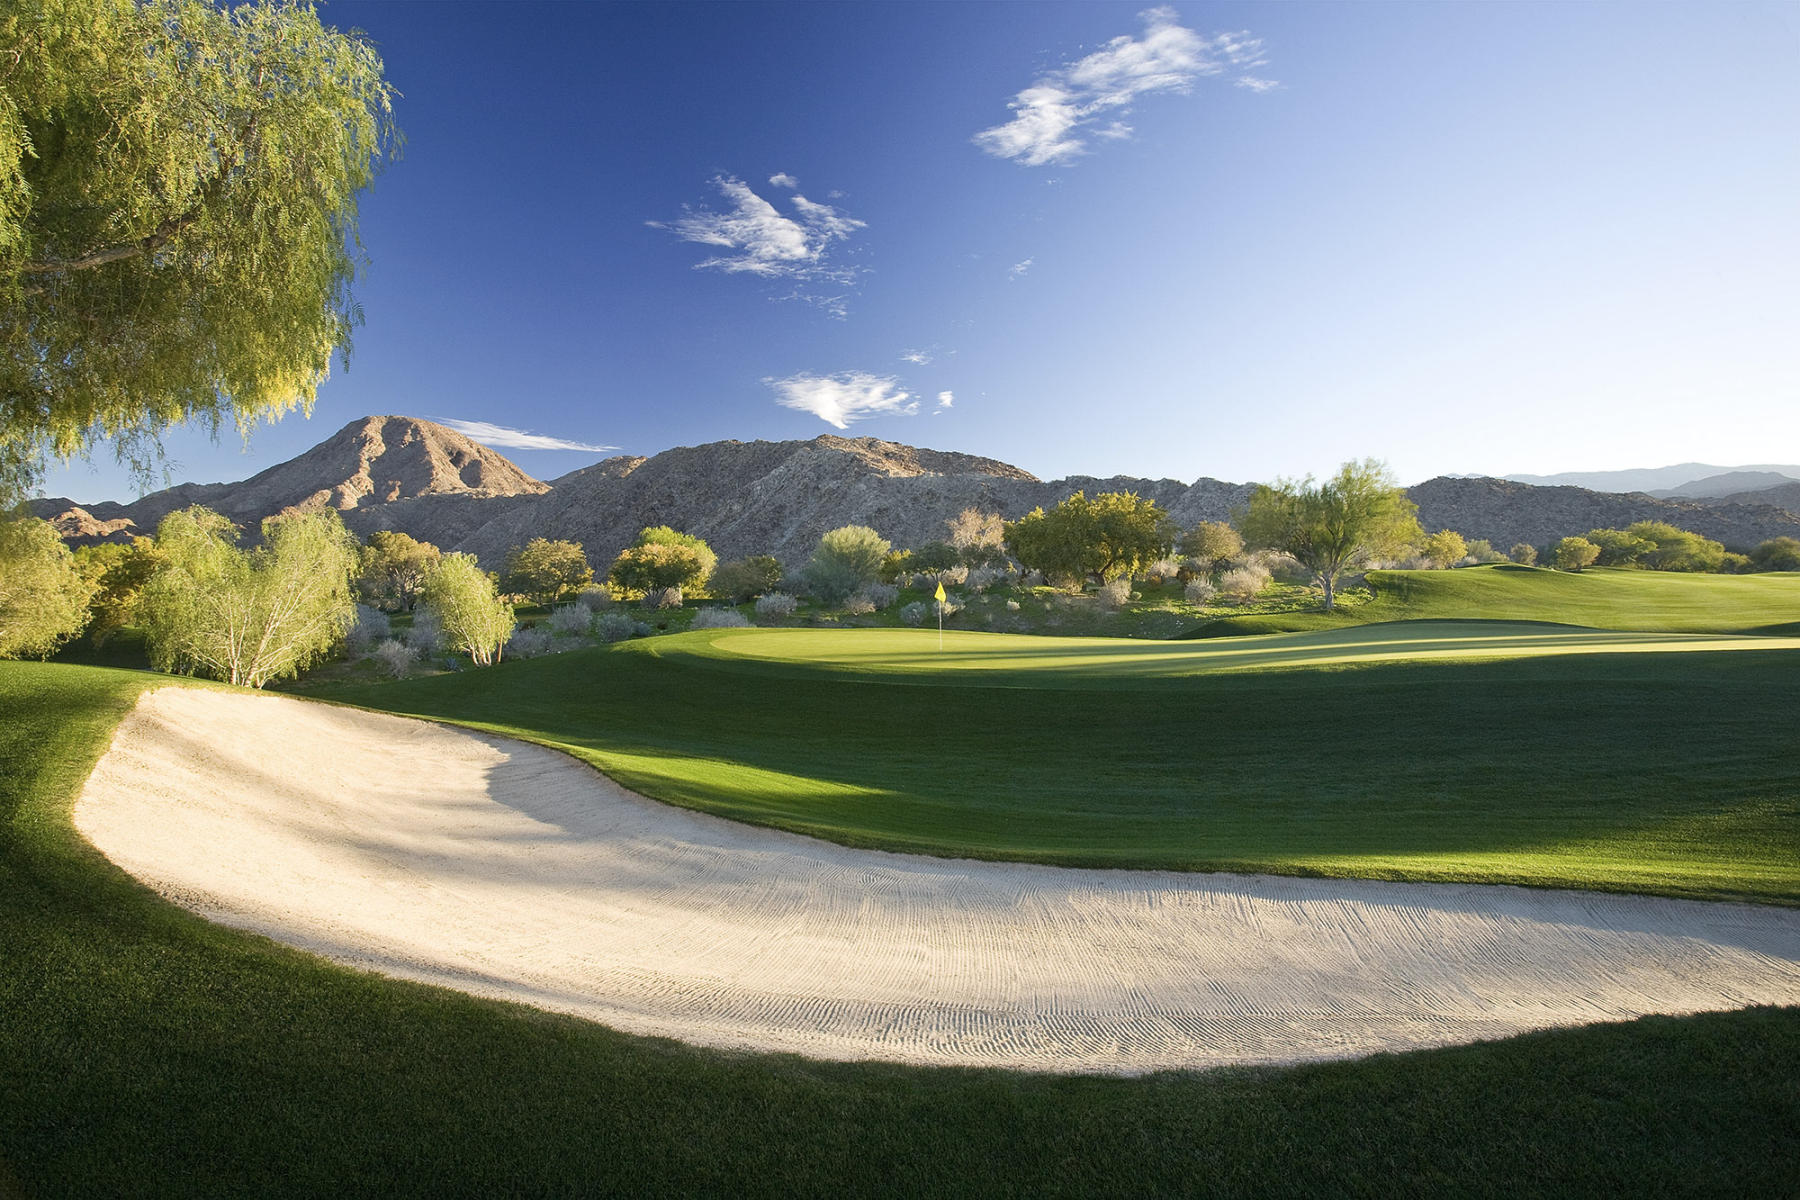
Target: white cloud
(1259, 86)
(757, 238)
(782, 179)
(945, 400)
(917, 358)
(845, 397)
(1018, 269)
(514, 439)
(1053, 117)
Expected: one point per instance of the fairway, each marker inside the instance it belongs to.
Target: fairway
(1469, 752)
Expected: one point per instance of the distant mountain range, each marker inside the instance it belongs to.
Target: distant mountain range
(1691, 480)
(776, 498)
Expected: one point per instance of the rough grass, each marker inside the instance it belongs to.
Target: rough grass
(1639, 768)
(1600, 598)
(148, 1053)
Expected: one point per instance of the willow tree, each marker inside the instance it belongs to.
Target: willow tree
(178, 218)
(43, 594)
(247, 616)
(466, 602)
(1358, 515)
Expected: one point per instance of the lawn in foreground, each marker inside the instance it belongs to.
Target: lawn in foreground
(149, 1053)
(1599, 598)
(1642, 764)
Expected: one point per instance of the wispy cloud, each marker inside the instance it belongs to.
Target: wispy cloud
(845, 397)
(782, 179)
(515, 439)
(917, 358)
(1054, 117)
(945, 400)
(755, 237)
(1018, 269)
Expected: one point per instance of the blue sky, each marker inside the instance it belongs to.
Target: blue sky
(1231, 240)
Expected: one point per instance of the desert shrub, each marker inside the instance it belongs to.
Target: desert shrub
(1482, 551)
(396, 657)
(1211, 544)
(1574, 553)
(1524, 553)
(427, 632)
(982, 578)
(776, 606)
(881, 595)
(719, 618)
(1161, 571)
(859, 605)
(980, 536)
(916, 612)
(845, 561)
(746, 578)
(617, 626)
(663, 597)
(932, 557)
(529, 641)
(594, 598)
(571, 620)
(1198, 591)
(1113, 595)
(1012, 606)
(1777, 554)
(1244, 583)
(1280, 565)
(371, 628)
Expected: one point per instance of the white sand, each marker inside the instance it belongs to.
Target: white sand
(510, 871)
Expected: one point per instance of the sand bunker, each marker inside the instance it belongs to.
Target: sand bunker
(510, 871)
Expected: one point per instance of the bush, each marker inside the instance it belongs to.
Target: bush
(594, 598)
(1524, 553)
(617, 626)
(426, 632)
(1445, 548)
(1245, 583)
(1162, 570)
(572, 620)
(915, 613)
(719, 618)
(396, 658)
(859, 605)
(1574, 553)
(1211, 543)
(528, 641)
(746, 578)
(371, 628)
(881, 595)
(1198, 591)
(1777, 554)
(931, 557)
(774, 607)
(664, 597)
(846, 560)
(1012, 606)
(1113, 596)
(982, 578)
(1482, 551)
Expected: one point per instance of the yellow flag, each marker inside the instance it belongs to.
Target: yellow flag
(940, 592)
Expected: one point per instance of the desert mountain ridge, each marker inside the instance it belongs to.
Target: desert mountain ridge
(759, 497)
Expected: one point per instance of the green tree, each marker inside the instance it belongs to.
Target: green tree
(466, 603)
(1108, 537)
(1617, 547)
(545, 571)
(248, 616)
(391, 570)
(1573, 553)
(118, 573)
(1674, 549)
(178, 217)
(1777, 554)
(43, 594)
(1524, 553)
(1357, 516)
(846, 560)
(1212, 543)
(661, 557)
(1445, 548)
(746, 578)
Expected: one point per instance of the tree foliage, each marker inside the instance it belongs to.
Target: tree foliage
(1445, 548)
(43, 594)
(465, 602)
(846, 560)
(1657, 546)
(248, 616)
(1213, 543)
(178, 217)
(118, 573)
(661, 557)
(1357, 516)
(979, 537)
(746, 578)
(1524, 553)
(1777, 554)
(1573, 553)
(1108, 537)
(545, 571)
(392, 568)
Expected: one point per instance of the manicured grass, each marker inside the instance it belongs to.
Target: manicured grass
(1638, 768)
(148, 1053)
(1601, 598)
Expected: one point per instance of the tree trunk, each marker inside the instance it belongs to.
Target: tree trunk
(1330, 598)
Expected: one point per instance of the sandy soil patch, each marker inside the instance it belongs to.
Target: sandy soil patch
(510, 871)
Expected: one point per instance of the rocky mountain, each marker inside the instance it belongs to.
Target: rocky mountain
(778, 497)
(1655, 481)
(376, 461)
(1731, 483)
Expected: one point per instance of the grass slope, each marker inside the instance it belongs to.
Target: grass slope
(149, 1053)
(1643, 771)
(1600, 598)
